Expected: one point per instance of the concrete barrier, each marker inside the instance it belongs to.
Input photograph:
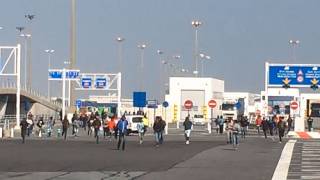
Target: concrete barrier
(12, 133)
(0, 132)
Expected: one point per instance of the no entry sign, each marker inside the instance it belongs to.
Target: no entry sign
(294, 105)
(212, 103)
(188, 104)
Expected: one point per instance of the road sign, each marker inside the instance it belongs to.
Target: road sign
(165, 104)
(212, 103)
(139, 99)
(86, 82)
(101, 83)
(70, 74)
(78, 103)
(294, 105)
(298, 75)
(188, 104)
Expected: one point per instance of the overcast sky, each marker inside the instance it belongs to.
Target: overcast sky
(238, 35)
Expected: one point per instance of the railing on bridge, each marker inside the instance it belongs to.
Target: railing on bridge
(13, 85)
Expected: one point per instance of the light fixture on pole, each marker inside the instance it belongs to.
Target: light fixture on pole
(26, 37)
(196, 24)
(49, 52)
(29, 18)
(120, 40)
(203, 58)
(294, 44)
(141, 47)
(160, 53)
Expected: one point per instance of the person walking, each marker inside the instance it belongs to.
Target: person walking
(40, 125)
(65, 126)
(30, 125)
(96, 125)
(50, 125)
(73, 119)
(229, 128)
(158, 128)
(221, 123)
(265, 127)
(258, 123)
(187, 128)
(243, 124)
(122, 130)
(140, 128)
(111, 127)
(235, 132)
(105, 127)
(23, 126)
(145, 121)
(309, 121)
(289, 121)
(281, 127)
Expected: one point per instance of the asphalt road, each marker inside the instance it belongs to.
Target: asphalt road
(207, 157)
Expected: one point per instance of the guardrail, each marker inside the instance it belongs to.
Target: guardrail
(12, 85)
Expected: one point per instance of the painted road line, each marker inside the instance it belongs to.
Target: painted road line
(282, 168)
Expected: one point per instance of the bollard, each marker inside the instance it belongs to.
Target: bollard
(0, 132)
(209, 127)
(40, 133)
(11, 132)
(58, 132)
(166, 130)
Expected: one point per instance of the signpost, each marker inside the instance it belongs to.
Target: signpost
(212, 104)
(294, 105)
(165, 104)
(188, 104)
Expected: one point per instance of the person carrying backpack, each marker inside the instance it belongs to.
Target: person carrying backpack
(187, 128)
(281, 128)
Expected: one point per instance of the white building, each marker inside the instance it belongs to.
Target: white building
(200, 91)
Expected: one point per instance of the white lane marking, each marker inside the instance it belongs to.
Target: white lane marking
(282, 168)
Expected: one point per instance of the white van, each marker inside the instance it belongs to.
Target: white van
(133, 121)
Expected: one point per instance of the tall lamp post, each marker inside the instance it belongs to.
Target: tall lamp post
(196, 24)
(49, 52)
(29, 18)
(26, 62)
(141, 47)
(294, 44)
(160, 53)
(203, 58)
(120, 40)
(69, 84)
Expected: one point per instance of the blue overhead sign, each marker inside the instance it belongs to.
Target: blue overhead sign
(297, 75)
(86, 82)
(56, 74)
(139, 99)
(101, 83)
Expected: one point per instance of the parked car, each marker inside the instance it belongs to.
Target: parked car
(198, 119)
(133, 121)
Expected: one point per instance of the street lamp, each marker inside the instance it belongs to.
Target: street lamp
(1, 27)
(294, 44)
(69, 83)
(203, 58)
(141, 47)
(49, 52)
(120, 40)
(196, 24)
(160, 53)
(26, 37)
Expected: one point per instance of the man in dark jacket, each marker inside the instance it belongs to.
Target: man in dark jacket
(24, 126)
(187, 128)
(265, 127)
(158, 128)
(96, 125)
(122, 130)
(281, 127)
(65, 125)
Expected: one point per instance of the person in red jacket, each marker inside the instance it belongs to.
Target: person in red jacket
(258, 123)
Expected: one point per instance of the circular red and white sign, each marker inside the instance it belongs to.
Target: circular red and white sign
(212, 103)
(188, 104)
(294, 105)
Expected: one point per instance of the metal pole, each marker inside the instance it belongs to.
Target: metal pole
(202, 62)
(73, 49)
(25, 61)
(165, 116)
(63, 92)
(119, 94)
(266, 88)
(196, 51)
(142, 67)
(69, 93)
(18, 51)
(49, 66)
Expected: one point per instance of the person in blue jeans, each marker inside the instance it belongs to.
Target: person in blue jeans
(235, 132)
(158, 128)
(122, 127)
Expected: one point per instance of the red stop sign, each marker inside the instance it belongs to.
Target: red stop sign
(188, 104)
(294, 105)
(212, 103)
